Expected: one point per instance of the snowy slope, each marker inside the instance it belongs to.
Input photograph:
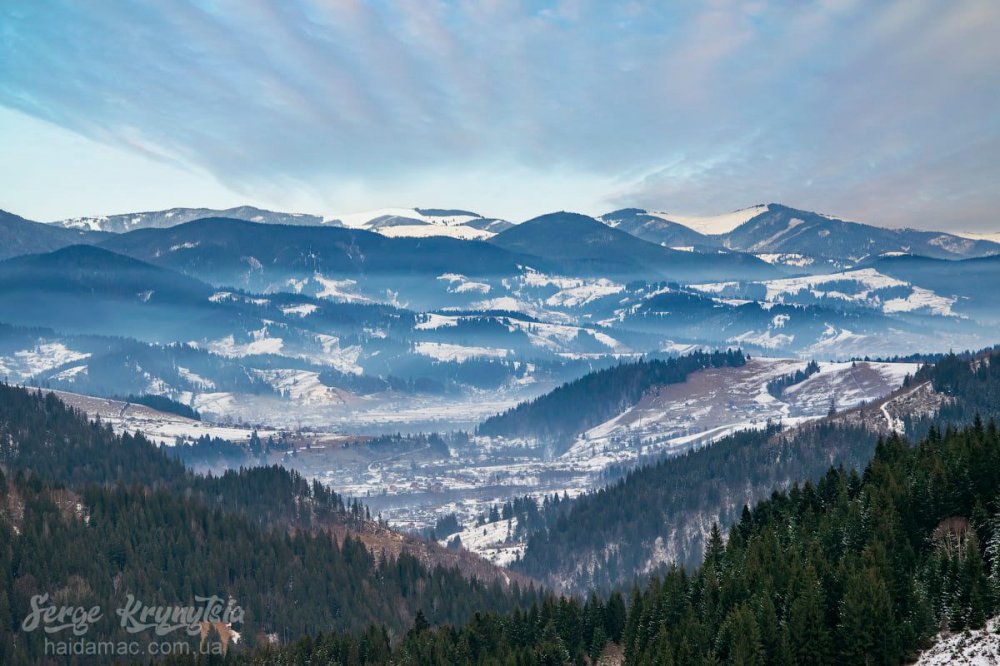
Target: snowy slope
(719, 401)
(168, 218)
(866, 287)
(160, 427)
(714, 225)
(492, 541)
(979, 647)
(417, 223)
(992, 236)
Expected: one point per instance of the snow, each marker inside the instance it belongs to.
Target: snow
(765, 339)
(714, 225)
(490, 540)
(581, 292)
(431, 321)
(41, 358)
(792, 224)
(428, 230)
(342, 359)
(303, 310)
(448, 352)
(261, 343)
(195, 379)
(719, 401)
(832, 342)
(302, 386)
(788, 259)
(922, 300)
(977, 647)
(424, 226)
(715, 287)
(459, 284)
(869, 282)
(161, 427)
(339, 290)
(991, 236)
(70, 374)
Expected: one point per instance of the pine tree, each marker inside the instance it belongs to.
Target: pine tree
(807, 630)
(865, 633)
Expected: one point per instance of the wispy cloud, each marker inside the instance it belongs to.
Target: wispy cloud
(884, 111)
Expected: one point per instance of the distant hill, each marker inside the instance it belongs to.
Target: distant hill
(776, 229)
(236, 252)
(556, 417)
(975, 282)
(159, 219)
(423, 222)
(655, 229)
(582, 244)
(20, 236)
(91, 290)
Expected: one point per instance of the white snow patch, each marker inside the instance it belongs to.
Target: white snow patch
(339, 290)
(976, 647)
(302, 310)
(713, 225)
(46, 356)
(443, 351)
(260, 343)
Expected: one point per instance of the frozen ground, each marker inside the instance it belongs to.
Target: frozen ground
(974, 648)
(720, 401)
(160, 427)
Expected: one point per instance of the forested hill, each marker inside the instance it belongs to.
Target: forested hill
(661, 513)
(855, 569)
(90, 517)
(557, 417)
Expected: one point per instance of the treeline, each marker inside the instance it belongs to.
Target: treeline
(855, 569)
(90, 516)
(161, 403)
(662, 512)
(776, 387)
(972, 380)
(559, 416)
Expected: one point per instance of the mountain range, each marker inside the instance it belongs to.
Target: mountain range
(340, 317)
(768, 229)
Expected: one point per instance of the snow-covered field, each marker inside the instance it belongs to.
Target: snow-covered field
(979, 647)
(719, 401)
(23, 364)
(160, 427)
(411, 223)
(860, 287)
(714, 225)
(494, 541)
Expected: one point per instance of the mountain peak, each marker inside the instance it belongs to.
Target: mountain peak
(422, 223)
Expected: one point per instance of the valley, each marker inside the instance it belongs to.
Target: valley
(413, 483)
(471, 389)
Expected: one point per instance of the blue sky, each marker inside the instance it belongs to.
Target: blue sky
(887, 112)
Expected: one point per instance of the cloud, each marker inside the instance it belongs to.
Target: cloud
(883, 111)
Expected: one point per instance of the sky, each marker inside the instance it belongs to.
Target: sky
(885, 112)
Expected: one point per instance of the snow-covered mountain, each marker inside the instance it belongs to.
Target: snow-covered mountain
(423, 222)
(783, 235)
(714, 225)
(393, 222)
(19, 236)
(161, 219)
